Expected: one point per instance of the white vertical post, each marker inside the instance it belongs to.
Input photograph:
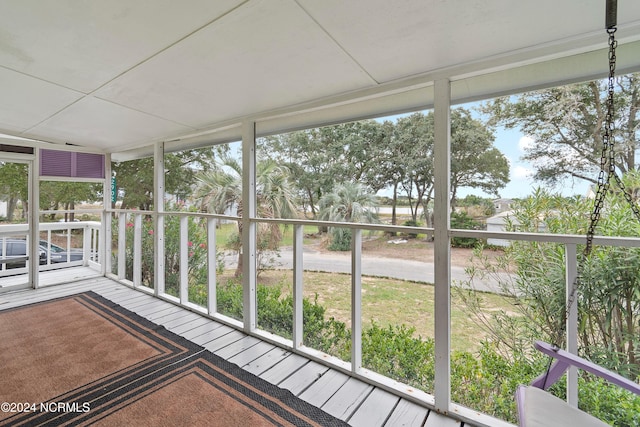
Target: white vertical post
(104, 251)
(158, 223)
(212, 249)
(184, 259)
(248, 237)
(571, 263)
(86, 244)
(298, 287)
(137, 250)
(34, 220)
(122, 244)
(442, 248)
(356, 300)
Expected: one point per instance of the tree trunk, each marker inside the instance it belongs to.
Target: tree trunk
(11, 208)
(394, 203)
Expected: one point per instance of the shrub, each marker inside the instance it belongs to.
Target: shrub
(340, 239)
(411, 223)
(463, 221)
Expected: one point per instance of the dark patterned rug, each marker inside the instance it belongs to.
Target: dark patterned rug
(84, 360)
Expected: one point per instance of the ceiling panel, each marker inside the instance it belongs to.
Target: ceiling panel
(111, 74)
(392, 40)
(83, 44)
(26, 102)
(264, 55)
(103, 125)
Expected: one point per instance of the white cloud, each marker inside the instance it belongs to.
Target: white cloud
(525, 142)
(521, 172)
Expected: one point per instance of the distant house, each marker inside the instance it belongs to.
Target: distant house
(502, 205)
(499, 222)
(3, 209)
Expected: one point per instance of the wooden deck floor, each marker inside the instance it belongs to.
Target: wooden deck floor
(354, 401)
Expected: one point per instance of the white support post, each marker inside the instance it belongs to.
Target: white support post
(137, 250)
(442, 245)
(122, 244)
(34, 220)
(571, 267)
(184, 259)
(356, 300)
(158, 223)
(249, 258)
(298, 287)
(212, 300)
(104, 251)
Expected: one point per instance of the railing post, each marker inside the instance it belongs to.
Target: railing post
(86, 244)
(104, 256)
(137, 250)
(212, 250)
(571, 261)
(298, 287)
(184, 259)
(122, 245)
(104, 251)
(356, 300)
(158, 225)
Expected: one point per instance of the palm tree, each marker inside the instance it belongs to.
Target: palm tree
(348, 202)
(220, 189)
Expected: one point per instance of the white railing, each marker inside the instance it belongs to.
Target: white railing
(52, 256)
(134, 220)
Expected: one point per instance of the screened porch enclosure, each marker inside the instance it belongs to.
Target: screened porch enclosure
(115, 81)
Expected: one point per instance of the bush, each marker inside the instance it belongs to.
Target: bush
(411, 223)
(463, 221)
(340, 239)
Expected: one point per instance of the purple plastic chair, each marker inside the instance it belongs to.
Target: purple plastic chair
(537, 408)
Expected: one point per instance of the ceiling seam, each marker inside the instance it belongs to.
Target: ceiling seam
(342, 48)
(167, 47)
(84, 95)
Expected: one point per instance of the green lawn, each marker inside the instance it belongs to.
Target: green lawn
(225, 231)
(388, 301)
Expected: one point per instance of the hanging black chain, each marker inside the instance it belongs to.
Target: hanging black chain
(607, 171)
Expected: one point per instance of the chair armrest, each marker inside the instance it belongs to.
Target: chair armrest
(565, 359)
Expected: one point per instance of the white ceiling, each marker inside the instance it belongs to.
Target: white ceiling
(112, 75)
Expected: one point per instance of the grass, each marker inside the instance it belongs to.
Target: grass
(389, 301)
(225, 231)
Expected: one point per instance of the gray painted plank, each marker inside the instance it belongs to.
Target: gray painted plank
(12, 299)
(221, 342)
(180, 329)
(205, 329)
(133, 302)
(304, 377)
(154, 307)
(187, 319)
(242, 344)
(348, 398)
(282, 370)
(252, 353)
(327, 385)
(407, 414)
(212, 334)
(436, 420)
(170, 314)
(130, 296)
(375, 410)
(266, 361)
